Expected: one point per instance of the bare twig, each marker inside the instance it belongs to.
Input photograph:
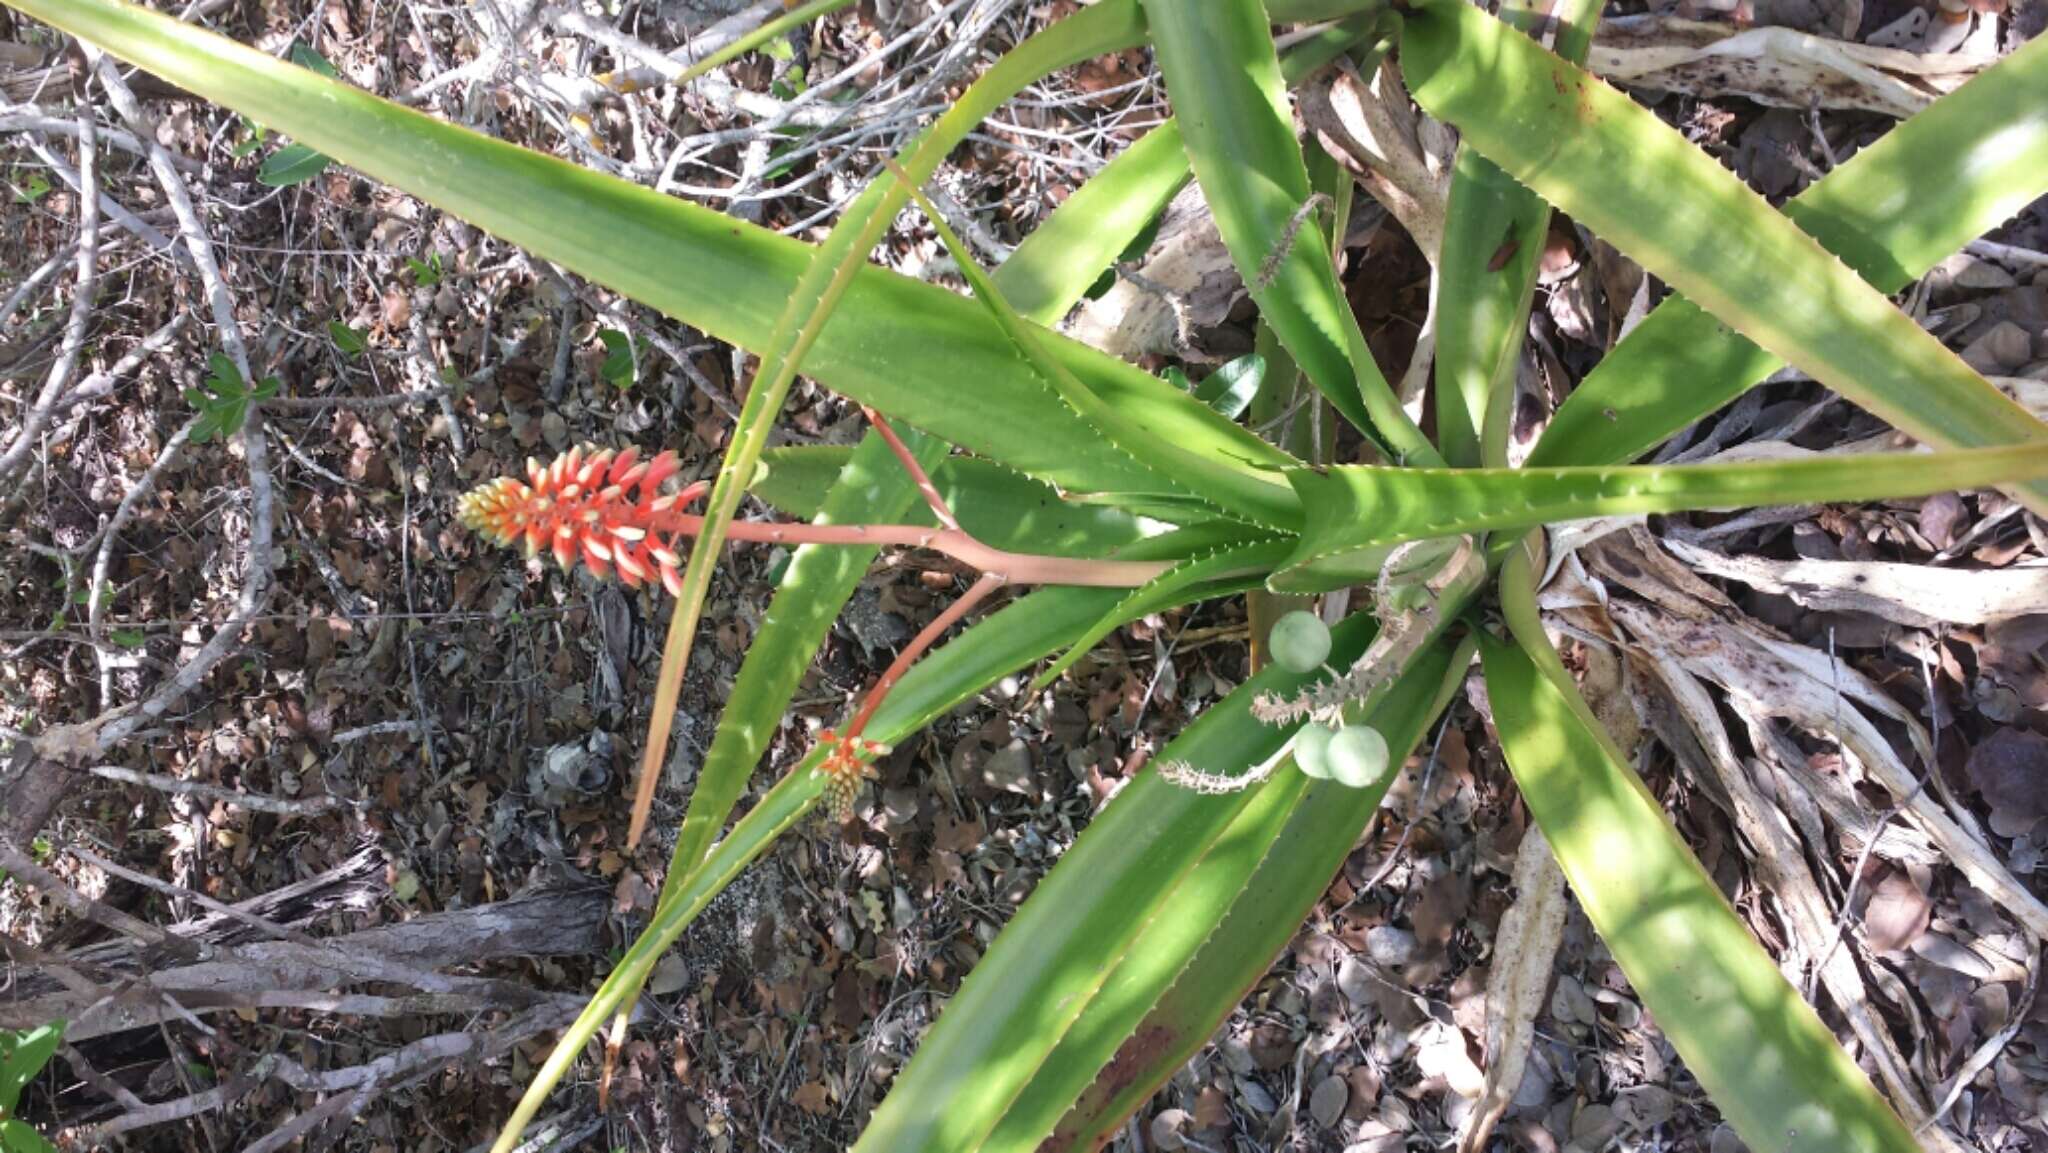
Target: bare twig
(29, 118)
(54, 386)
(34, 280)
(256, 578)
(360, 403)
(256, 802)
(112, 209)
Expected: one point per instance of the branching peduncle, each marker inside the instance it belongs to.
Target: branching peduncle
(616, 514)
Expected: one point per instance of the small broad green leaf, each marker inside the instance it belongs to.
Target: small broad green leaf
(306, 56)
(1770, 1065)
(253, 136)
(425, 273)
(32, 189)
(223, 399)
(224, 377)
(620, 368)
(347, 341)
(129, 638)
(22, 1056)
(19, 1137)
(292, 164)
(1229, 390)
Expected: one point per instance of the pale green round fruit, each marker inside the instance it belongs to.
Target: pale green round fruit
(1300, 642)
(1311, 751)
(1357, 756)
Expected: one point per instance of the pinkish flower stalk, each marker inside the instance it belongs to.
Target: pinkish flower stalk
(617, 514)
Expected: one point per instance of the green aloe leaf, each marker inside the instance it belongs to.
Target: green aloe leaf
(992, 648)
(1220, 930)
(1494, 231)
(1212, 573)
(296, 163)
(1092, 227)
(1232, 488)
(1762, 1054)
(1002, 508)
(1224, 78)
(1356, 512)
(1927, 187)
(1593, 152)
(1055, 955)
(873, 488)
(893, 342)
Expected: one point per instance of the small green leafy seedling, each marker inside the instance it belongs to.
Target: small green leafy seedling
(347, 341)
(621, 365)
(22, 1056)
(32, 189)
(425, 273)
(1300, 642)
(223, 400)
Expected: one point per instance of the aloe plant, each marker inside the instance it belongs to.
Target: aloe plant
(1114, 493)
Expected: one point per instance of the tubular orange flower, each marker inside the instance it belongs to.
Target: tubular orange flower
(604, 508)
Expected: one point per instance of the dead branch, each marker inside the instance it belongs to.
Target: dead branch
(253, 975)
(59, 380)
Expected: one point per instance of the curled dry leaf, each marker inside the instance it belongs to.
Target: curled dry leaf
(1775, 66)
(1186, 286)
(1916, 596)
(1765, 677)
(1523, 953)
(1403, 160)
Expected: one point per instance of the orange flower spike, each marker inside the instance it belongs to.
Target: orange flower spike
(603, 508)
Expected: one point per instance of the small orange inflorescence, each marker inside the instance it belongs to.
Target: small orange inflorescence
(849, 760)
(604, 508)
